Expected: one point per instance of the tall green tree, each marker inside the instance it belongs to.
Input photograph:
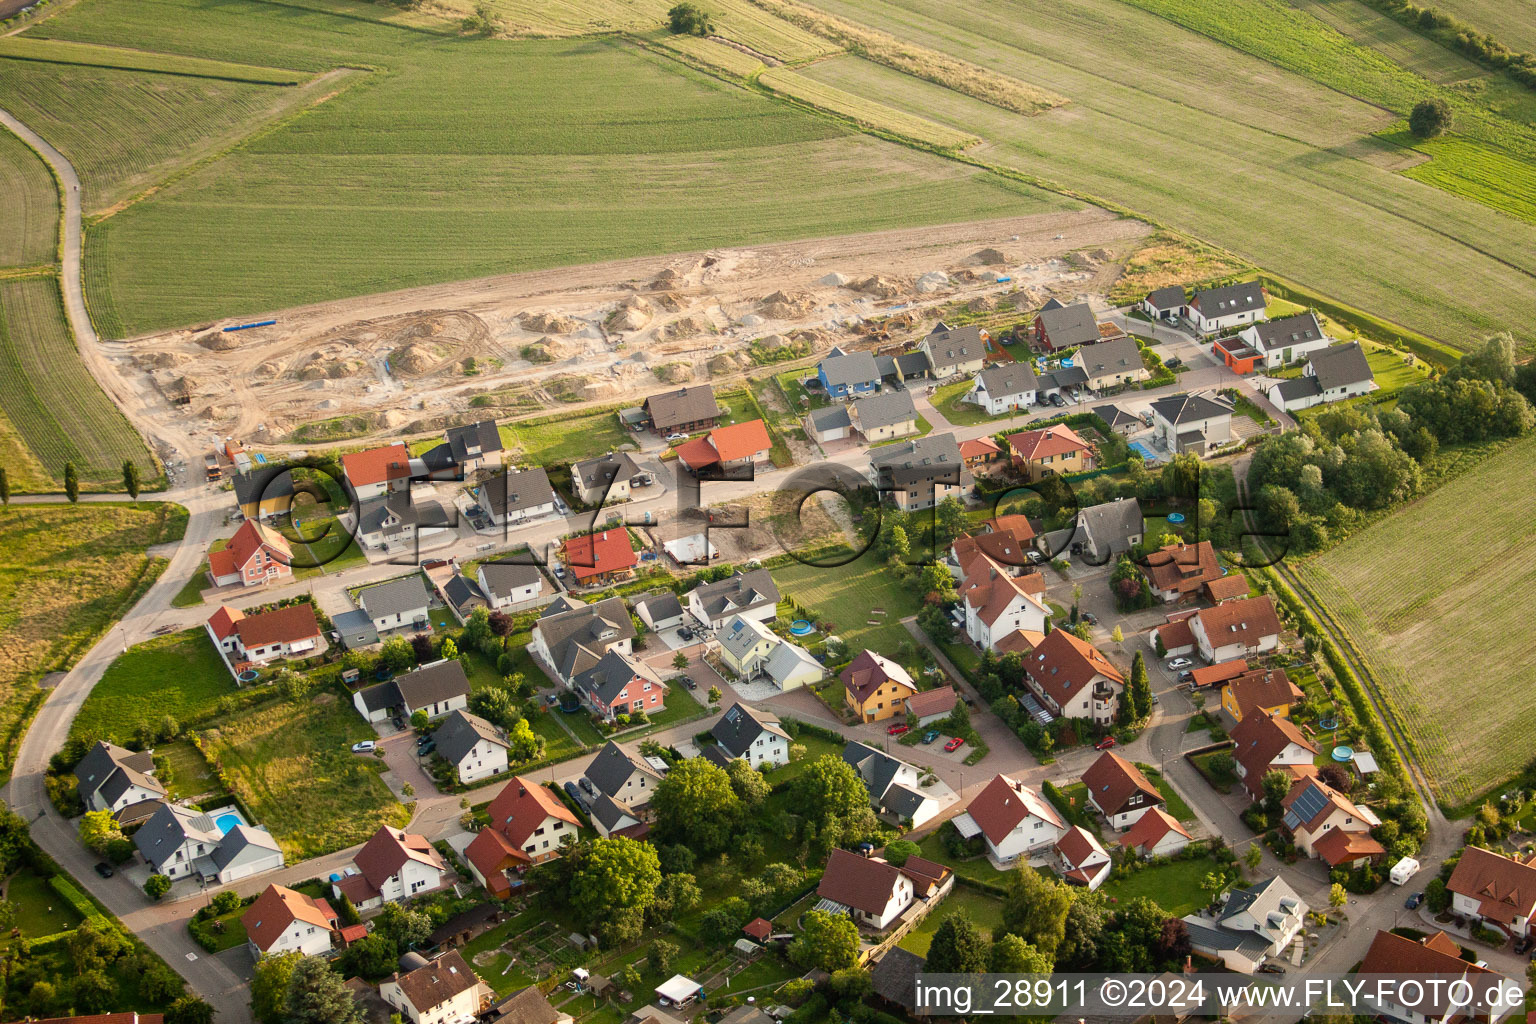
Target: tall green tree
(131, 479)
(1430, 118)
(1141, 687)
(613, 877)
(830, 797)
(1035, 910)
(5, 487)
(192, 1010)
(958, 947)
(1012, 955)
(317, 995)
(269, 986)
(748, 784)
(402, 927)
(826, 941)
(71, 482)
(695, 804)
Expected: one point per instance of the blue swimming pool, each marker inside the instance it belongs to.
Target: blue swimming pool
(1141, 448)
(226, 818)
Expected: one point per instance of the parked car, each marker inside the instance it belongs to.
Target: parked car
(576, 795)
(684, 632)
(1156, 699)
(930, 735)
(897, 729)
(1035, 557)
(677, 437)
(1271, 968)
(1412, 902)
(586, 784)
(559, 572)
(1090, 618)
(1186, 675)
(104, 870)
(1058, 401)
(398, 722)
(365, 747)
(970, 701)
(1105, 743)
(688, 682)
(1178, 663)
(954, 744)
(423, 749)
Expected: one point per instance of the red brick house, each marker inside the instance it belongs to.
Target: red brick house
(620, 685)
(256, 554)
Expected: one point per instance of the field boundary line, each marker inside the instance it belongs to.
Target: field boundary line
(156, 71)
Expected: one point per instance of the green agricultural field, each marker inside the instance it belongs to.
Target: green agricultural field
(91, 55)
(1483, 172)
(49, 396)
(1512, 22)
(864, 111)
(29, 206)
(180, 675)
(563, 151)
(1222, 145)
(1396, 42)
(1447, 643)
(66, 573)
(293, 767)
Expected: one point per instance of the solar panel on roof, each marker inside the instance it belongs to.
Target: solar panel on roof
(1307, 805)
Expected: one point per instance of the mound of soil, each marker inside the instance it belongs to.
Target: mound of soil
(666, 280)
(218, 341)
(981, 304)
(669, 301)
(549, 323)
(626, 319)
(547, 350)
(884, 287)
(728, 363)
(783, 305)
(834, 280)
(160, 360)
(416, 357)
(932, 281)
(673, 373)
(990, 257)
(687, 327)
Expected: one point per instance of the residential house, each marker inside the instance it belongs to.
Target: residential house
(256, 554)
(288, 632)
(1118, 420)
(727, 450)
(1003, 387)
(629, 780)
(377, 471)
(1262, 744)
(1192, 422)
(393, 865)
(476, 748)
(1329, 825)
(436, 463)
(1119, 791)
(284, 921)
(830, 423)
(1226, 588)
(1217, 309)
(1255, 923)
(979, 453)
(1006, 540)
(1267, 692)
(1081, 859)
(919, 473)
(620, 684)
(1015, 820)
(1174, 638)
(1219, 674)
(790, 667)
(1279, 343)
(528, 1006)
(1236, 629)
(1072, 678)
(1066, 327)
(265, 494)
(752, 736)
(660, 610)
(600, 558)
(512, 586)
(875, 688)
(751, 594)
(895, 790)
(355, 629)
(684, 411)
(1020, 642)
(1112, 364)
(932, 706)
(848, 374)
(436, 689)
(1497, 890)
(570, 640)
(460, 593)
(517, 495)
(399, 604)
(1051, 451)
(245, 850)
(871, 891)
(177, 841)
(444, 990)
(528, 826)
(952, 352)
(997, 604)
(604, 480)
(1165, 303)
(1178, 571)
(1054, 382)
(884, 416)
(1155, 834)
(1331, 375)
(111, 778)
(387, 522)
(1481, 999)
(474, 446)
(745, 645)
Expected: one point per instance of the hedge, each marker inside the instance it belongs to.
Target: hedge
(67, 889)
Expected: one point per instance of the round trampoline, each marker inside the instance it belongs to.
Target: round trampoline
(1328, 724)
(1175, 517)
(1343, 755)
(800, 627)
(248, 676)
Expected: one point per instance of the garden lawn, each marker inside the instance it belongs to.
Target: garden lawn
(848, 596)
(561, 440)
(1222, 783)
(1175, 803)
(181, 675)
(191, 593)
(947, 401)
(191, 775)
(39, 910)
(978, 869)
(984, 909)
(815, 746)
(1174, 886)
(293, 768)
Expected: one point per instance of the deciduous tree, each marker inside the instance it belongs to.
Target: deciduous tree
(958, 947)
(826, 941)
(71, 482)
(269, 986)
(696, 804)
(1430, 118)
(1036, 910)
(1012, 955)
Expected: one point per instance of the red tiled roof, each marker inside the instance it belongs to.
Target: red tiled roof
(1263, 690)
(1176, 634)
(491, 854)
(350, 933)
(697, 453)
(278, 907)
(979, 447)
(1502, 884)
(281, 625)
(242, 547)
(1051, 441)
(1150, 829)
(1182, 568)
(1333, 801)
(376, 465)
(740, 440)
(1008, 547)
(862, 883)
(1062, 664)
(522, 806)
(925, 874)
(1077, 845)
(388, 850)
(865, 674)
(1225, 588)
(1258, 740)
(356, 888)
(1220, 672)
(1244, 622)
(991, 591)
(1112, 780)
(758, 928)
(1003, 803)
(1337, 846)
(1020, 640)
(593, 554)
(224, 621)
(938, 701)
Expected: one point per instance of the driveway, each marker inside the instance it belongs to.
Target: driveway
(405, 767)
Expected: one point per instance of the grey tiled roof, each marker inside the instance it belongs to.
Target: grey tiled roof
(460, 732)
(577, 638)
(608, 677)
(884, 410)
(1121, 355)
(1070, 325)
(833, 417)
(516, 490)
(169, 828)
(850, 368)
(740, 592)
(1339, 365)
(1001, 379)
(244, 843)
(1170, 297)
(612, 767)
(1112, 523)
(1234, 298)
(740, 727)
(1188, 408)
(397, 597)
(462, 439)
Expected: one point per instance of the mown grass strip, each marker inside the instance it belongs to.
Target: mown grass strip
(864, 111)
(58, 51)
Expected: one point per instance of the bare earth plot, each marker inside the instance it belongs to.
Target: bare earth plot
(1437, 599)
